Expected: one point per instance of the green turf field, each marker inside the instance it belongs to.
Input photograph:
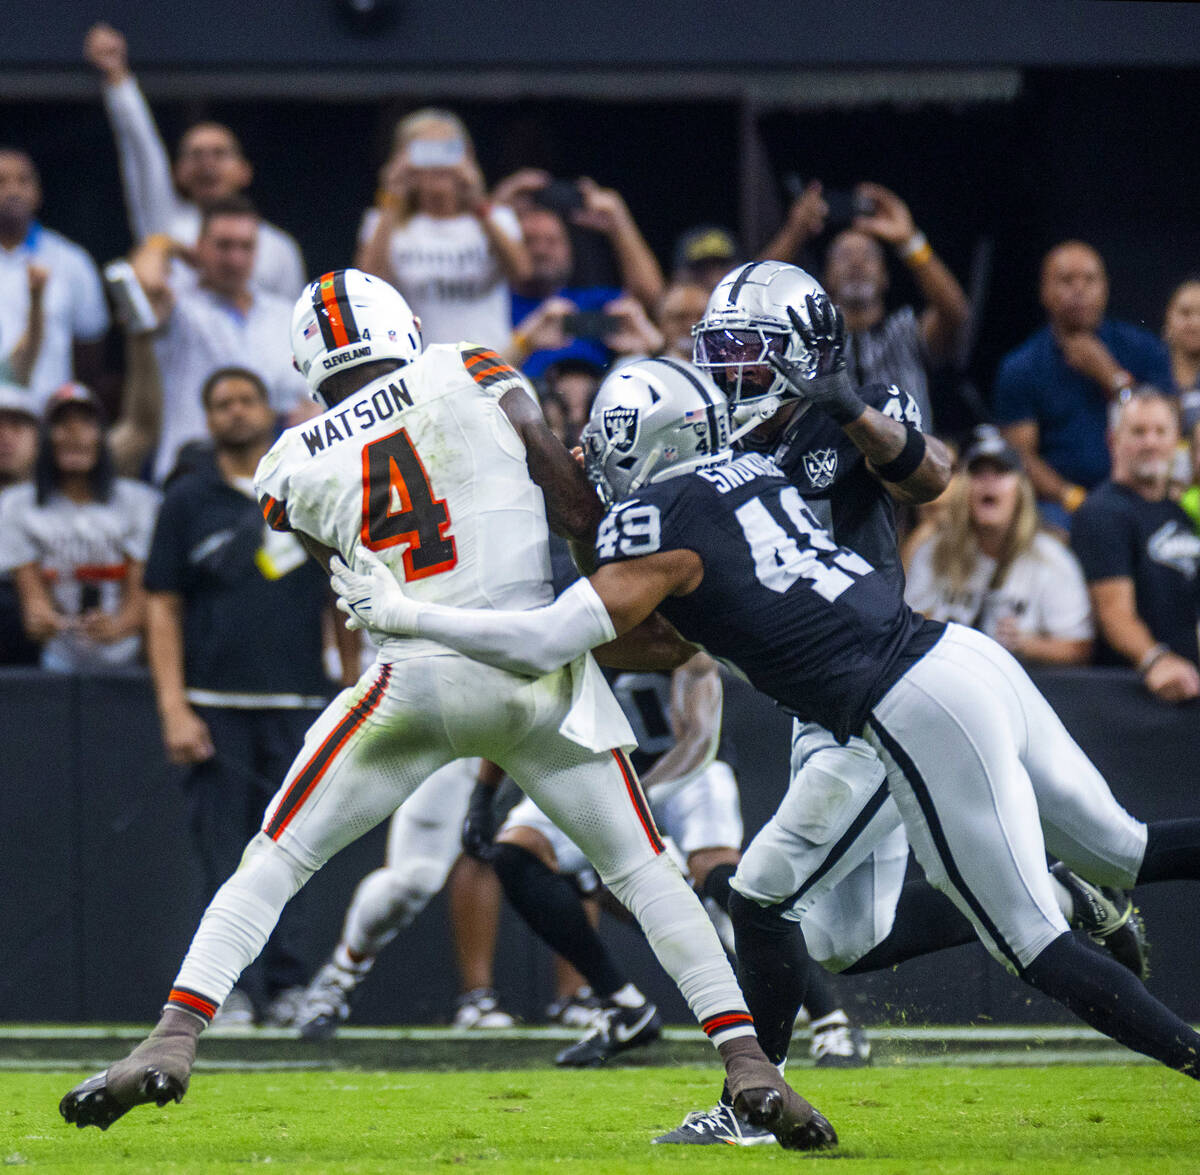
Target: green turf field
(1059, 1120)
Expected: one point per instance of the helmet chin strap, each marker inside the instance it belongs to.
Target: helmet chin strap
(647, 469)
(750, 416)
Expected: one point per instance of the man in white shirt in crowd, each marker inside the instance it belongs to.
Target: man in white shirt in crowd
(215, 319)
(74, 313)
(209, 167)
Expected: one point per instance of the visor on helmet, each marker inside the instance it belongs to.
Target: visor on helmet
(737, 348)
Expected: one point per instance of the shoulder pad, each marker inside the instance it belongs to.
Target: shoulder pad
(489, 370)
(893, 401)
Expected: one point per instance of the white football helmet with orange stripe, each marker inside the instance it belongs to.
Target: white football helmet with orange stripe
(346, 318)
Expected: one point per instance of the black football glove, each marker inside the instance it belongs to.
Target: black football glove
(829, 387)
(479, 827)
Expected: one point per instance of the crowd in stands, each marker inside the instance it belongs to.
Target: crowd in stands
(128, 530)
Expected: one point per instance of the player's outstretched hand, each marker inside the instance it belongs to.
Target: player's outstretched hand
(823, 336)
(372, 597)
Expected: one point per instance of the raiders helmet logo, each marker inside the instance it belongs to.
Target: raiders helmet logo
(821, 467)
(621, 427)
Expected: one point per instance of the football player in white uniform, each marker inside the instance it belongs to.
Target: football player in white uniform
(436, 463)
(726, 548)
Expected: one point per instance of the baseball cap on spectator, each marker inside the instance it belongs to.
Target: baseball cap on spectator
(988, 446)
(17, 402)
(72, 394)
(706, 245)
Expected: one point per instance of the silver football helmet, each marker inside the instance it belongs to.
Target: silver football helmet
(745, 321)
(652, 420)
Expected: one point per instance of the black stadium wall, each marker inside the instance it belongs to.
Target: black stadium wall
(100, 895)
(670, 34)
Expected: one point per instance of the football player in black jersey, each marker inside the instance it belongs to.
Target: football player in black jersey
(724, 547)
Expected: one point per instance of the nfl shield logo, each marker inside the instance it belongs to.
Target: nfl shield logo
(621, 427)
(821, 467)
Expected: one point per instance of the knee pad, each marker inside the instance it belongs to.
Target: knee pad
(510, 861)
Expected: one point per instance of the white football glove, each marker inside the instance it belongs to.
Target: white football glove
(372, 597)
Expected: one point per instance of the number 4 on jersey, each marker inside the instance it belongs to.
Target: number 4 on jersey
(399, 507)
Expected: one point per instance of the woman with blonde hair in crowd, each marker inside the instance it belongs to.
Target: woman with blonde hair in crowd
(436, 236)
(991, 567)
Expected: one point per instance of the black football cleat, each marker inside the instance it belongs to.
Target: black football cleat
(797, 1125)
(157, 1071)
(616, 1031)
(95, 1102)
(1108, 917)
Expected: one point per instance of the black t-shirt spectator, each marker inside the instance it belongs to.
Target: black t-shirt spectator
(1119, 534)
(243, 633)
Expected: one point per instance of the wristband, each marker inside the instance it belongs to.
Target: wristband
(905, 463)
(1072, 498)
(916, 250)
(1151, 657)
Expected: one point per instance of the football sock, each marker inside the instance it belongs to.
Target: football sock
(773, 969)
(926, 921)
(822, 996)
(240, 918)
(1112, 1000)
(685, 943)
(554, 911)
(1172, 851)
(716, 884)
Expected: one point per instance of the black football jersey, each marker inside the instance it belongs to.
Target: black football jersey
(831, 474)
(810, 624)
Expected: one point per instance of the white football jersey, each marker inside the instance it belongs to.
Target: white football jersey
(423, 468)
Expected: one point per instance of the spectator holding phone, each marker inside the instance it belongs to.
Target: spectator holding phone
(75, 540)
(901, 346)
(436, 236)
(555, 320)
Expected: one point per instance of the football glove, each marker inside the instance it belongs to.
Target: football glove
(372, 598)
(830, 388)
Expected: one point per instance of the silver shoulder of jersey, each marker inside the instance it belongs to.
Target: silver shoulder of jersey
(652, 420)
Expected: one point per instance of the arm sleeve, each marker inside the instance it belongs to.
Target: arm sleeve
(145, 167)
(531, 643)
